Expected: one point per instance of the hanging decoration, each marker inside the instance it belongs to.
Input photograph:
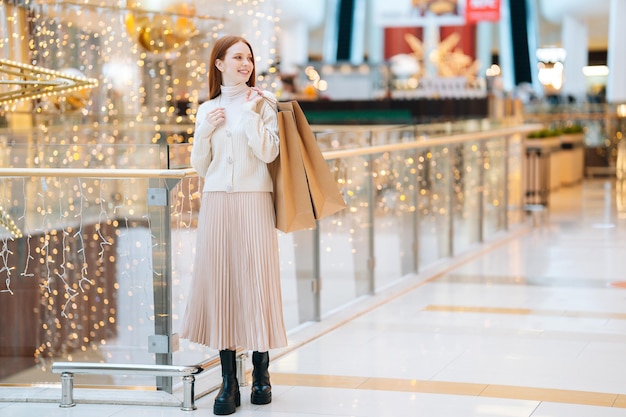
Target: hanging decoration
(450, 60)
(20, 81)
(163, 30)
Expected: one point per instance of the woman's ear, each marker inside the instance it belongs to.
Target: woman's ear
(219, 64)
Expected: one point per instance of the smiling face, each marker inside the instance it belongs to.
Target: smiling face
(237, 65)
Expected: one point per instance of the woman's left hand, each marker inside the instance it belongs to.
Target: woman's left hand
(254, 96)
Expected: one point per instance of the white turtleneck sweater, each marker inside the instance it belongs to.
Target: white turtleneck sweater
(234, 156)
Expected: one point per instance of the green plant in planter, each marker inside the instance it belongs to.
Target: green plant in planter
(573, 129)
(544, 133)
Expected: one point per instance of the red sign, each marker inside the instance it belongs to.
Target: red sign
(482, 10)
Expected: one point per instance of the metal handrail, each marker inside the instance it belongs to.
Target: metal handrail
(98, 368)
(424, 142)
(421, 142)
(97, 172)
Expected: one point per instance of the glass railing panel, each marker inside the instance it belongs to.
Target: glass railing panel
(108, 156)
(77, 277)
(390, 135)
(453, 127)
(179, 154)
(395, 189)
(345, 239)
(433, 209)
(466, 180)
(298, 275)
(342, 137)
(495, 192)
(514, 157)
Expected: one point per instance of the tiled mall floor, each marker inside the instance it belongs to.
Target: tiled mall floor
(534, 326)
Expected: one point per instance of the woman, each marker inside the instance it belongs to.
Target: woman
(235, 298)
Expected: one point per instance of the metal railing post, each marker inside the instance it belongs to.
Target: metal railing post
(317, 274)
(67, 390)
(371, 207)
(481, 193)
(163, 341)
(188, 393)
(451, 196)
(507, 170)
(241, 368)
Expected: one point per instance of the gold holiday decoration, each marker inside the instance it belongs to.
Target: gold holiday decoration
(20, 81)
(161, 31)
(440, 7)
(450, 60)
(437, 7)
(73, 100)
(158, 26)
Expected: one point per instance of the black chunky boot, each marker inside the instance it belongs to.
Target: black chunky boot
(228, 399)
(261, 388)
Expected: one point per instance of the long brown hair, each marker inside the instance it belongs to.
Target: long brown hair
(219, 52)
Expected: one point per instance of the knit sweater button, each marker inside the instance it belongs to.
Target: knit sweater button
(230, 160)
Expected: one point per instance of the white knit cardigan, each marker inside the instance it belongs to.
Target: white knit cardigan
(234, 156)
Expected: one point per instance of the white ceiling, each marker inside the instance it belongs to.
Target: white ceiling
(555, 10)
(595, 13)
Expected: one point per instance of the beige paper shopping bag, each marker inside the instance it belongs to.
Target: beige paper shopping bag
(292, 201)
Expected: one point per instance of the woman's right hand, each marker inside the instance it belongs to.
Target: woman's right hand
(216, 116)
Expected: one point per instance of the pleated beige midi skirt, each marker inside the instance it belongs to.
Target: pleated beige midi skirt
(235, 296)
